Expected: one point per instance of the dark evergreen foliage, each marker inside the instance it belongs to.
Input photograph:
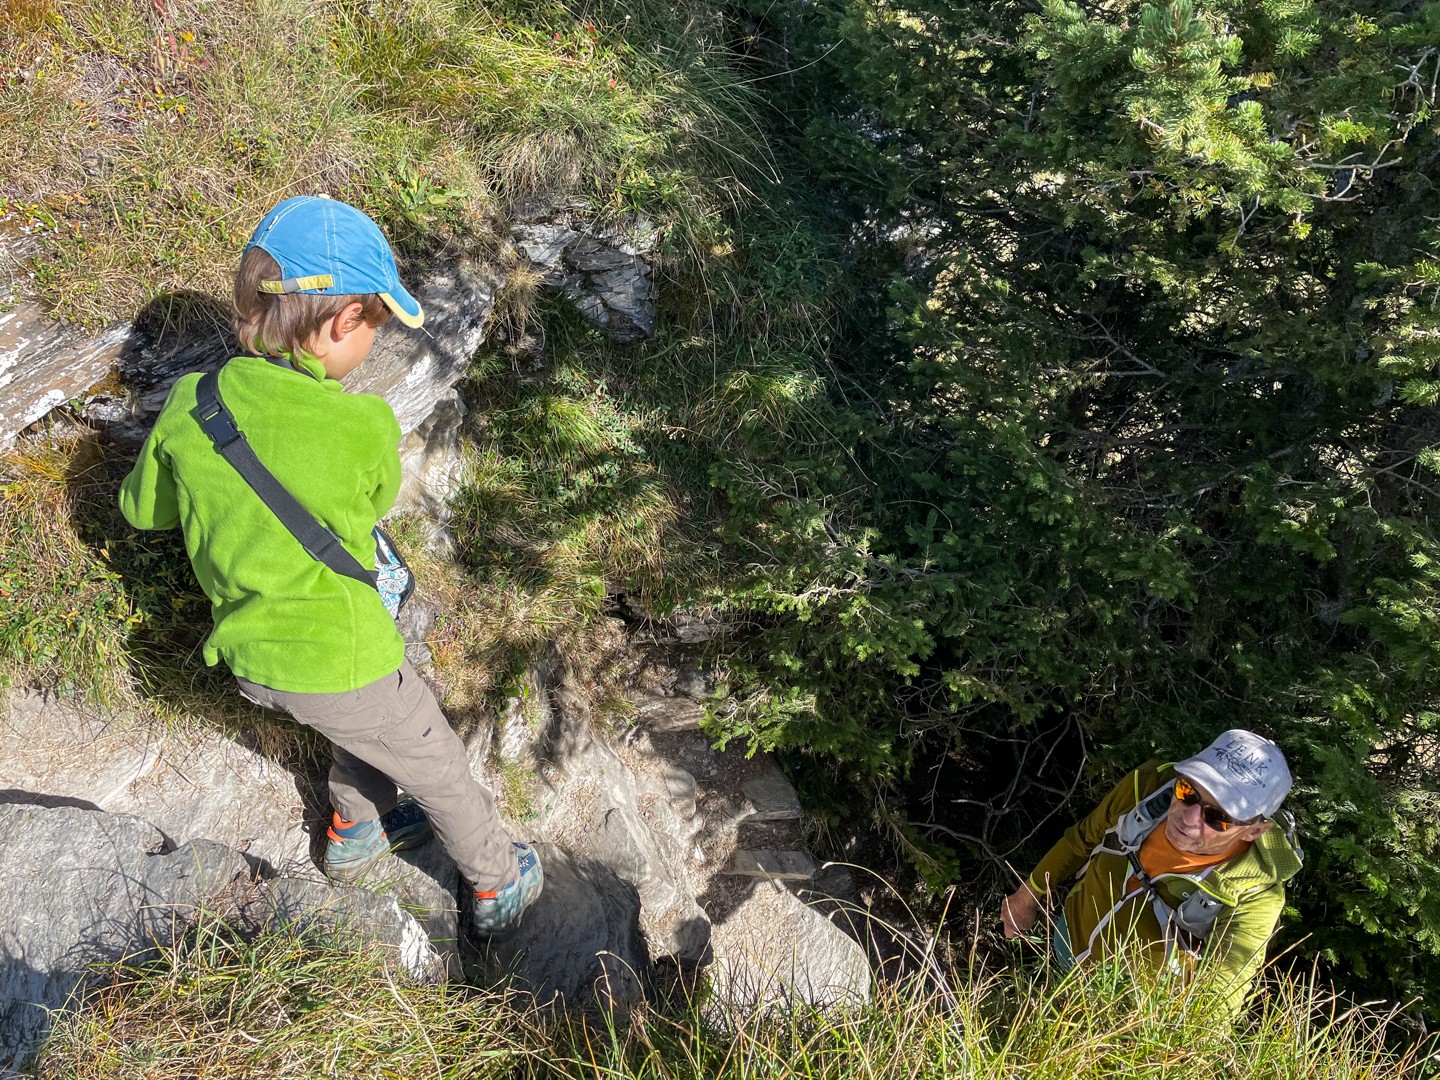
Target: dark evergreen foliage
(1143, 444)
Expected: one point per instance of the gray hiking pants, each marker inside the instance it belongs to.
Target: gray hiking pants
(391, 732)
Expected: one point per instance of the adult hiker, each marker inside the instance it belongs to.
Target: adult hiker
(1182, 859)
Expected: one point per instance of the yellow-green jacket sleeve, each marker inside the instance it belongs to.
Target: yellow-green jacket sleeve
(1235, 949)
(148, 496)
(1072, 850)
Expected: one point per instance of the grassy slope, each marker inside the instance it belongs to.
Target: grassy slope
(145, 139)
(150, 137)
(279, 1007)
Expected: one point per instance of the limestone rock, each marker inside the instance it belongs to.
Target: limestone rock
(580, 942)
(430, 467)
(378, 916)
(608, 815)
(680, 785)
(604, 809)
(774, 949)
(771, 796)
(424, 882)
(603, 272)
(667, 714)
(44, 364)
(85, 887)
(82, 887)
(774, 865)
(416, 623)
(191, 783)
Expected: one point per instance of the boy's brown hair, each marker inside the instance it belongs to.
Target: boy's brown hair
(277, 324)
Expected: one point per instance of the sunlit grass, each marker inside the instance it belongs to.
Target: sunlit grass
(286, 1006)
(144, 141)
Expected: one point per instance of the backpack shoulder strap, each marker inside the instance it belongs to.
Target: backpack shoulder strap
(319, 543)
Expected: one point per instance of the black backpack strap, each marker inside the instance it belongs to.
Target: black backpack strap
(319, 542)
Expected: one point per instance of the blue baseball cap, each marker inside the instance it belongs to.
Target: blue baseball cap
(328, 247)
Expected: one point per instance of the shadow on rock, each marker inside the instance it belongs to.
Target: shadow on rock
(17, 797)
(579, 945)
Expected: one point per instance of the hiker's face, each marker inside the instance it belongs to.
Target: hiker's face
(1186, 828)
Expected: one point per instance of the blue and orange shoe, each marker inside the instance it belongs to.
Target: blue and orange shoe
(407, 826)
(497, 913)
(356, 846)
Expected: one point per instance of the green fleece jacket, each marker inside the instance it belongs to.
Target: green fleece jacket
(281, 619)
(1250, 885)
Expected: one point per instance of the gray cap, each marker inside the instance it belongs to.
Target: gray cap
(1245, 774)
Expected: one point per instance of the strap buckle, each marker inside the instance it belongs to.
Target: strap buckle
(216, 421)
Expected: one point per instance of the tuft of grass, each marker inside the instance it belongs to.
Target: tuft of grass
(26, 16)
(284, 1006)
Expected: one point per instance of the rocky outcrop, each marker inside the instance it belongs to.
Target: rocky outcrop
(682, 822)
(648, 839)
(188, 784)
(118, 378)
(85, 887)
(606, 273)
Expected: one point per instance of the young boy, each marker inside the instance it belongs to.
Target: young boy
(315, 282)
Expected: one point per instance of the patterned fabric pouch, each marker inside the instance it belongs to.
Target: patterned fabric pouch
(393, 579)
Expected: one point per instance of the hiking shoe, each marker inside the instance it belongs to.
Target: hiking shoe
(497, 914)
(354, 847)
(407, 826)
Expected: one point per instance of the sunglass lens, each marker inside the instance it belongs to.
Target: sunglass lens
(1216, 818)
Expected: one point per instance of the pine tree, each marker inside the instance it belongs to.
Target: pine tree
(1148, 424)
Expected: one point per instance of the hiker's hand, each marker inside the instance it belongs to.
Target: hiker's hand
(1019, 911)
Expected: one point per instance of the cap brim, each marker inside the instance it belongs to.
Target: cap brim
(1218, 788)
(404, 307)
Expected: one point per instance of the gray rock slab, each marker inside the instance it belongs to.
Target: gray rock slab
(431, 466)
(775, 950)
(83, 887)
(580, 943)
(778, 865)
(602, 271)
(416, 623)
(44, 364)
(680, 785)
(544, 244)
(194, 784)
(668, 714)
(771, 796)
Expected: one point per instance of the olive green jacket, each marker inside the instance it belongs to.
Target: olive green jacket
(1249, 885)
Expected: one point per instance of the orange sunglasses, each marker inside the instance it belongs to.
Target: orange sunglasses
(1216, 818)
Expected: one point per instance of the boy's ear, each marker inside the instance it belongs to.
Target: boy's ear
(345, 320)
